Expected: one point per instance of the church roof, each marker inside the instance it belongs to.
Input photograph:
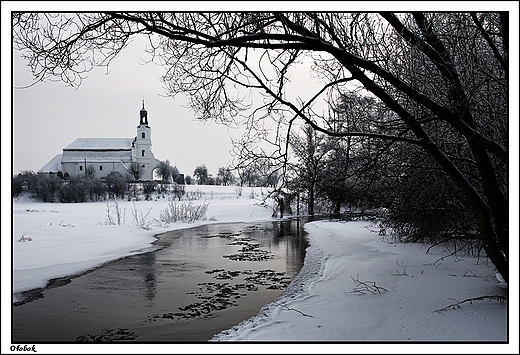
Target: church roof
(100, 144)
(53, 165)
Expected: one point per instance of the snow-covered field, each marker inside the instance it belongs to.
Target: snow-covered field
(67, 238)
(355, 286)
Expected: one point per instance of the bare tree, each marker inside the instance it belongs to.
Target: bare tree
(225, 175)
(445, 70)
(135, 170)
(90, 171)
(164, 170)
(310, 152)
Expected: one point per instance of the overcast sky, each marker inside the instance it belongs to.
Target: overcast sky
(48, 116)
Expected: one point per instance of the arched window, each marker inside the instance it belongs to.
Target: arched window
(142, 135)
(142, 153)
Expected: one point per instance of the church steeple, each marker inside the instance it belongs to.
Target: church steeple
(144, 116)
(142, 148)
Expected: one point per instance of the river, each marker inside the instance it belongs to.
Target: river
(203, 280)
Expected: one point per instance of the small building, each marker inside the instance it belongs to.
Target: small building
(107, 154)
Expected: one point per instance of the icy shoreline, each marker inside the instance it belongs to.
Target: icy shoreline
(311, 270)
(410, 286)
(52, 240)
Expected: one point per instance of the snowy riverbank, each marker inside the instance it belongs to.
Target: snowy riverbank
(355, 286)
(358, 286)
(51, 240)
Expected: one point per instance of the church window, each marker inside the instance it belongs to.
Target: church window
(142, 153)
(100, 167)
(81, 168)
(142, 135)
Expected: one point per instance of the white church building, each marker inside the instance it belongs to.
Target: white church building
(107, 154)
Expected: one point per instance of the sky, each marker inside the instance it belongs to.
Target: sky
(48, 116)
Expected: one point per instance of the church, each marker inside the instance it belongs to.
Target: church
(107, 154)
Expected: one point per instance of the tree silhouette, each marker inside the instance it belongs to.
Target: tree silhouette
(442, 78)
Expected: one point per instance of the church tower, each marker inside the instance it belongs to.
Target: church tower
(143, 146)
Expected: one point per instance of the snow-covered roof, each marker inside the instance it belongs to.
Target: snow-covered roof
(53, 165)
(100, 144)
(96, 155)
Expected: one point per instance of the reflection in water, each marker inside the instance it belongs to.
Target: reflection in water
(203, 280)
(148, 271)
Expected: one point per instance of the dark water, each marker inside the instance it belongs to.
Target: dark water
(204, 280)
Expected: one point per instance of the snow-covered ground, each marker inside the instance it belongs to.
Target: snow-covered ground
(358, 286)
(355, 286)
(58, 239)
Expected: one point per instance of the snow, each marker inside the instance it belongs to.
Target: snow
(402, 287)
(68, 238)
(100, 143)
(355, 285)
(53, 165)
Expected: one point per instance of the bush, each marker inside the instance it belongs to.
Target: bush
(17, 185)
(179, 191)
(97, 190)
(73, 190)
(116, 184)
(149, 188)
(184, 211)
(43, 187)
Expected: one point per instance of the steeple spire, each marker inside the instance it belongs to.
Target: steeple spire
(144, 116)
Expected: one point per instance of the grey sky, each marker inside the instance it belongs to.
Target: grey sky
(48, 116)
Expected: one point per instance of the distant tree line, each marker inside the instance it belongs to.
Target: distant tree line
(254, 175)
(61, 187)
(77, 188)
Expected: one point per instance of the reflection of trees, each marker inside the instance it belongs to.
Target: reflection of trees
(149, 272)
(290, 234)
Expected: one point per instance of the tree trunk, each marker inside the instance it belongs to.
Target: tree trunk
(310, 206)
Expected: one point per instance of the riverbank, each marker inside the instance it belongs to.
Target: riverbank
(357, 286)
(52, 240)
(203, 280)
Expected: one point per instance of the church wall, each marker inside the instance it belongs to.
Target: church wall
(101, 169)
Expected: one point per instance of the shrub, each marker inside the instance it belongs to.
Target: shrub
(184, 211)
(73, 190)
(116, 184)
(17, 185)
(149, 188)
(115, 214)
